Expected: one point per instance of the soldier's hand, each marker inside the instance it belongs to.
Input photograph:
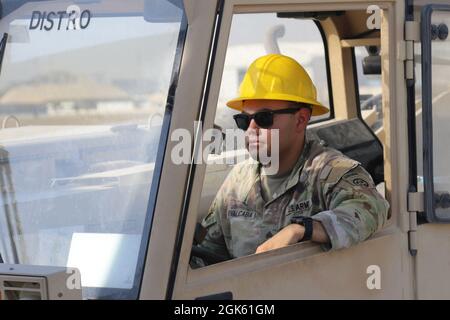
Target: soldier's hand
(288, 235)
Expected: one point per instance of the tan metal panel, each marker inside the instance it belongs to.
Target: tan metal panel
(433, 261)
(303, 272)
(348, 43)
(171, 191)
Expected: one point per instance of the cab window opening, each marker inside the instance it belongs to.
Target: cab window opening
(312, 56)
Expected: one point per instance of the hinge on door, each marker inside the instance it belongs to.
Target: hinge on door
(415, 204)
(412, 33)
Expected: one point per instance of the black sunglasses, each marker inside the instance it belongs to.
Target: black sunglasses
(264, 119)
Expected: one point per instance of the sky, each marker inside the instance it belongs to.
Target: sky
(105, 30)
(249, 28)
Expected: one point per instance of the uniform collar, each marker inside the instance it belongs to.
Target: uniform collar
(294, 178)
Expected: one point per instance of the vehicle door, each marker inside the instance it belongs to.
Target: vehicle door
(303, 270)
(433, 176)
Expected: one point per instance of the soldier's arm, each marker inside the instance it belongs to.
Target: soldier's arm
(291, 234)
(356, 209)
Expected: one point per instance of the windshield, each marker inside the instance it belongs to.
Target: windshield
(83, 92)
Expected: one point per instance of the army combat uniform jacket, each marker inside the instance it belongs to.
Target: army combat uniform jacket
(324, 184)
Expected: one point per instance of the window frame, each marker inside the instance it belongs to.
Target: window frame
(328, 74)
(187, 277)
(358, 103)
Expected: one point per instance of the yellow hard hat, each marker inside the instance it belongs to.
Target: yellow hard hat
(278, 77)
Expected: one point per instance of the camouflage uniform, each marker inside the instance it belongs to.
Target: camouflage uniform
(324, 184)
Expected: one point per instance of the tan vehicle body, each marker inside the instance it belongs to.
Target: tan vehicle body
(412, 260)
(303, 271)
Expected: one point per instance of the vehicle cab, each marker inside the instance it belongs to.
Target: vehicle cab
(109, 110)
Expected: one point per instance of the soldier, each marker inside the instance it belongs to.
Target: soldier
(317, 194)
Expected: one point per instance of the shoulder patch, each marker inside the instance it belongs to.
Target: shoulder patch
(360, 182)
(359, 178)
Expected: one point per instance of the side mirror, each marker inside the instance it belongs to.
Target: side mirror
(161, 11)
(372, 63)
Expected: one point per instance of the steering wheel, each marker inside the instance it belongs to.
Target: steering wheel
(208, 256)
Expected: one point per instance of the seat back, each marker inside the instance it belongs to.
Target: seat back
(354, 139)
